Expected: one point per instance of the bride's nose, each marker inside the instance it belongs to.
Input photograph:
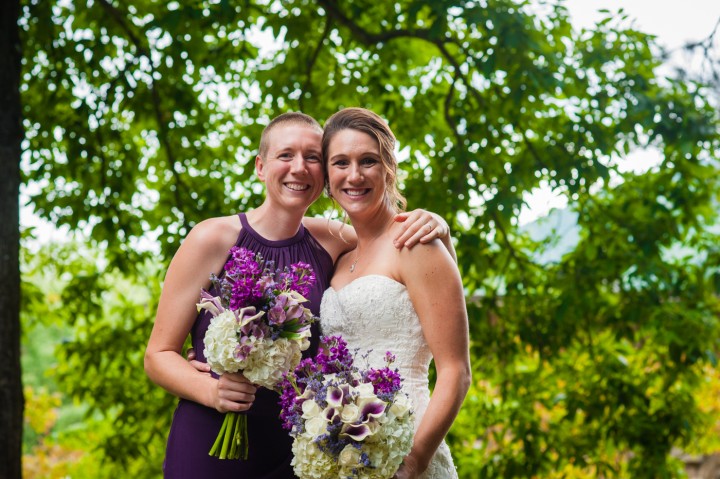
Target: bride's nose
(355, 174)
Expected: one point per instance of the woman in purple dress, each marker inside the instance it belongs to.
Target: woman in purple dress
(289, 163)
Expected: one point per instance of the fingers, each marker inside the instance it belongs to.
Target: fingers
(234, 393)
(200, 366)
(401, 217)
(433, 230)
(408, 469)
(419, 227)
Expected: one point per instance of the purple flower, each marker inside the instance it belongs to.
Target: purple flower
(277, 314)
(334, 356)
(298, 277)
(352, 404)
(386, 382)
(266, 306)
(371, 410)
(357, 432)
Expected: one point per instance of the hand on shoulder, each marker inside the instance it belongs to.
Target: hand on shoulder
(427, 266)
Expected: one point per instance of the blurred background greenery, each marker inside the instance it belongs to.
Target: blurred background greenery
(594, 329)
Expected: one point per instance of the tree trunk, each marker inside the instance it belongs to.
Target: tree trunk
(11, 133)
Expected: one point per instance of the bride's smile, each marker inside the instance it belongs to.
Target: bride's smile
(356, 174)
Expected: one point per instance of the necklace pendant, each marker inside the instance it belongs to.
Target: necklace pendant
(352, 267)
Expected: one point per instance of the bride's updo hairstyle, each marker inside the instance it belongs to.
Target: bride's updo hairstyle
(370, 123)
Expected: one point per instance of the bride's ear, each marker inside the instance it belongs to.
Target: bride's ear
(260, 168)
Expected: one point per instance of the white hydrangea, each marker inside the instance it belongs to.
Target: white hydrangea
(269, 359)
(309, 462)
(386, 448)
(386, 451)
(220, 343)
(266, 361)
(394, 442)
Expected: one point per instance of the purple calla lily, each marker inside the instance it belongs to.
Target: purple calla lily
(357, 432)
(331, 414)
(334, 396)
(295, 311)
(371, 410)
(210, 303)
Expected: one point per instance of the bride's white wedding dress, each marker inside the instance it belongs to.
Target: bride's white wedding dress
(375, 313)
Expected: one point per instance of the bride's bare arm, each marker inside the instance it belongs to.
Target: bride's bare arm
(433, 282)
(202, 252)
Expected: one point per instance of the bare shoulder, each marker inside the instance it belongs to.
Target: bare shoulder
(208, 243)
(426, 259)
(430, 275)
(204, 250)
(212, 233)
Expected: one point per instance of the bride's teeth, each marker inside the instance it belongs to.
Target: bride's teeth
(296, 187)
(355, 192)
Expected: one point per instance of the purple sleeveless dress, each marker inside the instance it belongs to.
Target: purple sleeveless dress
(194, 426)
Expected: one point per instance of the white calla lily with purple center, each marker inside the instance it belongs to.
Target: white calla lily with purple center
(346, 422)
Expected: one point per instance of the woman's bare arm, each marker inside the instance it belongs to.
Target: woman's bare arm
(435, 288)
(203, 251)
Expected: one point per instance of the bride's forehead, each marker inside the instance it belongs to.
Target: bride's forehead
(350, 139)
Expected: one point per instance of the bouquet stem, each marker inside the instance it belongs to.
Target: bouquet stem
(232, 440)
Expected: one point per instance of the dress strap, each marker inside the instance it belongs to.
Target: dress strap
(244, 221)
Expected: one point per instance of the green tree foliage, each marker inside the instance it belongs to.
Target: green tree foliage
(102, 318)
(142, 118)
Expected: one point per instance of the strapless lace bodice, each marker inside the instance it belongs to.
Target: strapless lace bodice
(374, 313)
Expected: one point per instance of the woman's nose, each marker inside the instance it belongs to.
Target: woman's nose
(298, 164)
(355, 174)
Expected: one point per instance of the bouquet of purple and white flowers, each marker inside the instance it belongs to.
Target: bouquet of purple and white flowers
(346, 421)
(259, 327)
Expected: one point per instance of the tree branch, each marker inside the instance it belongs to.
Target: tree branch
(425, 34)
(313, 60)
(119, 18)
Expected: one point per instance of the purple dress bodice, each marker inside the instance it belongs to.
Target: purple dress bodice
(195, 426)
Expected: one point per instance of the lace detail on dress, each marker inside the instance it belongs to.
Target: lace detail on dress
(374, 313)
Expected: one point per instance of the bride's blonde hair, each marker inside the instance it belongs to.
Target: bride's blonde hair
(366, 121)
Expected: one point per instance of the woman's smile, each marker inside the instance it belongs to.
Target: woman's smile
(297, 186)
(356, 192)
(355, 172)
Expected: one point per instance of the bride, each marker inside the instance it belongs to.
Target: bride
(409, 301)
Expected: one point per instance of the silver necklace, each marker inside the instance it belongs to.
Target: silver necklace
(357, 255)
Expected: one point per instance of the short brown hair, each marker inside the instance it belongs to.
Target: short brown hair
(368, 122)
(295, 117)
